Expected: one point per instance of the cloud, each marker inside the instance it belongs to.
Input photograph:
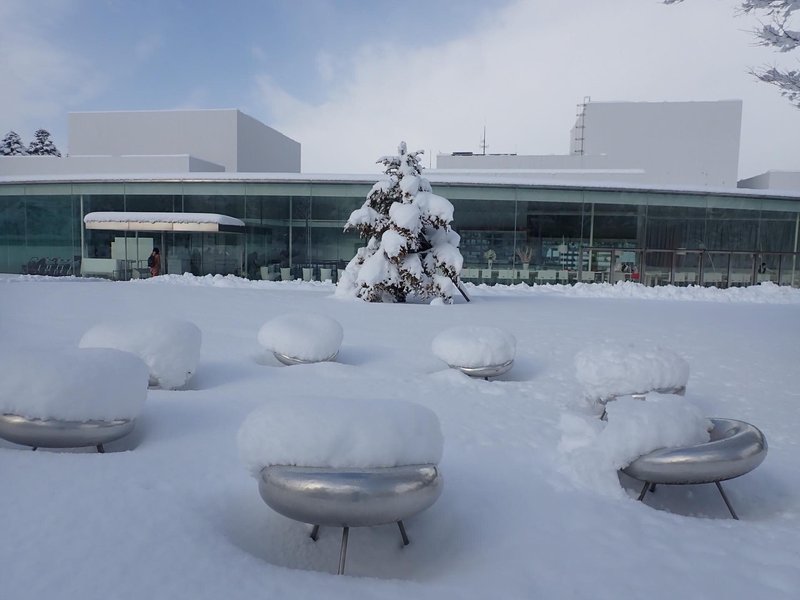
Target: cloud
(40, 77)
(326, 66)
(521, 74)
(148, 46)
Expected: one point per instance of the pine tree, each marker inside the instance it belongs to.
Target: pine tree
(42, 145)
(12, 145)
(411, 249)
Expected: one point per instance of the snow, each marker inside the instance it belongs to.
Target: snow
(435, 206)
(340, 433)
(474, 346)
(70, 384)
(533, 179)
(610, 369)
(363, 216)
(161, 217)
(405, 216)
(169, 347)
(595, 450)
(392, 243)
(170, 511)
(410, 184)
(307, 336)
(375, 269)
(383, 271)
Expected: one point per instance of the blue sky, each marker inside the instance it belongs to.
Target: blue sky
(349, 79)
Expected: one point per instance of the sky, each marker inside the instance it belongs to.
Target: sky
(349, 79)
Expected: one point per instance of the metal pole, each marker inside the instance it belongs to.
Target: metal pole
(83, 238)
(591, 236)
(402, 527)
(290, 232)
(644, 490)
(794, 256)
(724, 497)
(343, 551)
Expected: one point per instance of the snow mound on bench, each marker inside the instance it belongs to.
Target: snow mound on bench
(340, 433)
(96, 384)
(169, 347)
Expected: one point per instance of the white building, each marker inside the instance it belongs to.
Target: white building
(657, 143)
(773, 180)
(165, 141)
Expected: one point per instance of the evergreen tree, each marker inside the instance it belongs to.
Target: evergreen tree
(42, 145)
(12, 145)
(411, 249)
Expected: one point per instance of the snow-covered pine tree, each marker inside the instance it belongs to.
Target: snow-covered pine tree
(42, 145)
(12, 145)
(411, 250)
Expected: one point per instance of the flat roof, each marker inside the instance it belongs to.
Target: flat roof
(494, 180)
(162, 221)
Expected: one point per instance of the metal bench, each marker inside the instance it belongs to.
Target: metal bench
(350, 497)
(56, 433)
(735, 448)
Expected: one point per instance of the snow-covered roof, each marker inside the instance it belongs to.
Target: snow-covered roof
(466, 179)
(159, 221)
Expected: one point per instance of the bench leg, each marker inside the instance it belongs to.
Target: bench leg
(644, 490)
(727, 503)
(402, 527)
(315, 533)
(343, 551)
(100, 449)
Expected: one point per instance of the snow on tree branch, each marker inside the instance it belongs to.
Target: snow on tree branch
(775, 35)
(411, 249)
(42, 145)
(12, 145)
(788, 82)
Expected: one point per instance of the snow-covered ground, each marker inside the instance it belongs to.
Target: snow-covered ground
(171, 511)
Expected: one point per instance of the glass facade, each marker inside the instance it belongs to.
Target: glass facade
(509, 233)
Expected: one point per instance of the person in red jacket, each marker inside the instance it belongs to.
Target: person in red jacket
(154, 262)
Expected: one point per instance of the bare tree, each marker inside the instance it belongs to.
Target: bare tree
(774, 32)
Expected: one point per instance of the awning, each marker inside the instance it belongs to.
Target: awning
(163, 221)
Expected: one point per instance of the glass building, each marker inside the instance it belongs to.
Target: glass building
(510, 232)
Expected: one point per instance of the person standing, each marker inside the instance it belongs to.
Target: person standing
(154, 262)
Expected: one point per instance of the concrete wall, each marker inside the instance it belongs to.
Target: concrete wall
(88, 165)
(562, 167)
(263, 149)
(227, 137)
(206, 134)
(694, 143)
(514, 161)
(773, 180)
(659, 143)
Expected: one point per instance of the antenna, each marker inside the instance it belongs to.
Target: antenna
(483, 145)
(580, 126)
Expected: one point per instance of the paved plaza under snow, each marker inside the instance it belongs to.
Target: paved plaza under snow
(532, 507)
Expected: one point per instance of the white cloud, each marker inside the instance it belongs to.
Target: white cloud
(40, 79)
(147, 46)
(326, 66)
(522, 73)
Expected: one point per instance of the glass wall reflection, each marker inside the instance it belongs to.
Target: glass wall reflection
(508, 233)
